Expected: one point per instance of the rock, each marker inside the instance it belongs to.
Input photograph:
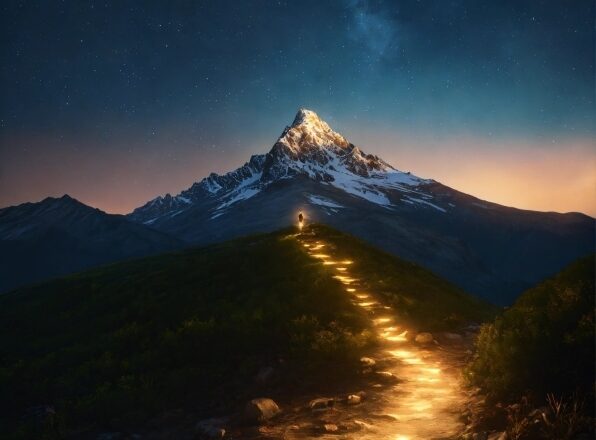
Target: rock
(210, 428)
(386, 377)
(367, 362)
(330, 427)
(498, 436)
(362, 425)
(260, 410)
(424, 338)
(387, 417)
(321, 404)
(265, 374)
(354, 399)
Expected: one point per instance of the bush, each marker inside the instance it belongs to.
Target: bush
(544, 343)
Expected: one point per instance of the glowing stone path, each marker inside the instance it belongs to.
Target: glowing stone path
(428, 397)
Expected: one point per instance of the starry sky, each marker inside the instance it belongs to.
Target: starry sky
(117, 102)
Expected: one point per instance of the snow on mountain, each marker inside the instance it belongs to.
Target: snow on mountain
(308, 147)
(322, 201)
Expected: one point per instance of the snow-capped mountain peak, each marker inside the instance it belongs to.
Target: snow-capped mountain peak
(309, 148)
(308, 131)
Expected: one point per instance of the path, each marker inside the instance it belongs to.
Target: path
(427, 400)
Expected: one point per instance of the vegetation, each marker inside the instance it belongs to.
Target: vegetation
(421, 298)
(111, 347)
(541, 352)
(191, 329)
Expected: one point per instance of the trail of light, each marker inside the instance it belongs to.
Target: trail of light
(366, 304)
(431, 370)
(351, 289)
(397, 338)
(344, 279)
(329, 263)
(347, 262)
(406, 356)
(362, 295)
(341, 269)
(378, 321)
(420, 406)
(321, 256)
(428, 379)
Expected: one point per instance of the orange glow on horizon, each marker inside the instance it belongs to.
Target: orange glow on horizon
(542, 175)
(545, 175)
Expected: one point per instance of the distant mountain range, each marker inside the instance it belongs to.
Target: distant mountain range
(490, 250)
(58, 236)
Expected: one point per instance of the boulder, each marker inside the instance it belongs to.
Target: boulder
(354, 399)
(260, 410)
(367, 362)
(362, 425)
(330, 427)
(321, 404)
(386, 377)
(424, 338)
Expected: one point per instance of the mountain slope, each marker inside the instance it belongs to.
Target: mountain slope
(491, 250)
(112, 346)
(545, 341)
(58, 236)
(539, 353)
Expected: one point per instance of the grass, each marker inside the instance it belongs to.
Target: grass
(422, 299)
(109, 348)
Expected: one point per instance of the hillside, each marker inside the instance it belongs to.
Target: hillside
(541, 351)
(111, 347)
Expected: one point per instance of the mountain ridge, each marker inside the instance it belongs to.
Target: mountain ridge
(58, 236)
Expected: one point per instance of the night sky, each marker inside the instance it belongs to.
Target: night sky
(118, 102)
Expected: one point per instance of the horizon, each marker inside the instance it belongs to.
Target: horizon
(486, 192)
(496, 101)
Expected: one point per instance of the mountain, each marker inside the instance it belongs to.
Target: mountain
(112, 348)
(58, 236)
(493, 251)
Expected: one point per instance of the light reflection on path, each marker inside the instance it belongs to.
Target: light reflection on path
(426, 402)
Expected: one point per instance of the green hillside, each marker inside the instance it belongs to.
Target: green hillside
(541, 350)
(421, 298)
(110, 347)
